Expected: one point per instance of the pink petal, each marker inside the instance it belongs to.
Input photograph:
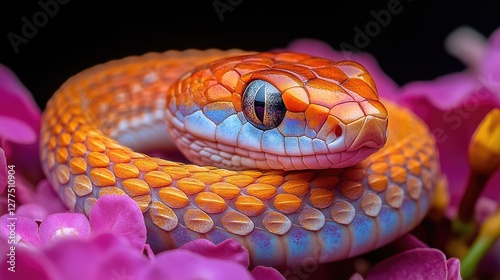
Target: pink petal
(20, 103)
(418, 263)
(75, 259)
(356, 276)
(16, 131)
(444, 93)
(19, 230)
(452, 121)
(184, 264)
(33, 211)
(3, 171)
(266, 273)
(64, 225)
(228, 249)
(119, 214)
(453, 265)
(118, 260)
(491, 62)
(47, 198)
(17, 103)
(29, 264)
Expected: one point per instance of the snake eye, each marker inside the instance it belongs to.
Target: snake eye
(263, 105)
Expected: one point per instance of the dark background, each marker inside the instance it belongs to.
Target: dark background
(83, 33)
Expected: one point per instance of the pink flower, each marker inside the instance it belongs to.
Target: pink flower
(19, 126)
(19, 129)
(111, 245)
(453, 106)
(419, 263)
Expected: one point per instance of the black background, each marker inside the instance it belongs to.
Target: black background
(84, 33)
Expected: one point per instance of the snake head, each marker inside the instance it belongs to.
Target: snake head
(277, 110)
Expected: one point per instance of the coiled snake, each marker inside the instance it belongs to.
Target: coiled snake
(298, 141)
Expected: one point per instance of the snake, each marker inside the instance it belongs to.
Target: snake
(294, 156)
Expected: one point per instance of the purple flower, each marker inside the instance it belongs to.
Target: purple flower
(19, 126)
(419, 263)
(453, 106)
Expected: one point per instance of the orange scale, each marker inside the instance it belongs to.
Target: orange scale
(191, 185)
(217, 93)
(78, 149)
(173, 197)
(135, 187)
(77, 165)
(118, 156)
(207, 177)
(197, 220)
(96, 159)
(287, 203)
(321, 198)
(290, 57)
(82, 185)
(296, 187)
(325, 182)
(229, 80)
(176, 172)
(360, 87)
(262, 191)
(110, 191)
(225, 190)
(414, 167)
(95, 145)
(61, 155)
(145, 165)
(143, 201)
(239, 180)
(315, 62)
(126, 170)
(303, 72)
(348, 112)
(397, 159)
(276, 223)
(351, 189)
(316, 116)
(249, 205)
(331, 73)
(296, 99)
(377, 182)
(281, 80)
(63, 174)
(157, 179)
(325, 93)
(398, 174)
(237, 223)
(210, 202)
(163, 216)
(274, 180)
(102, 177)
(64, 139)
(380, 167)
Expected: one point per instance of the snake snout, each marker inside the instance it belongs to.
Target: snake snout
(370, 132)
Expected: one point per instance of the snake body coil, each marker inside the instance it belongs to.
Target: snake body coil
(298, 141)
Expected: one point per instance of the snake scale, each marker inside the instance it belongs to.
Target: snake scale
(286, 151)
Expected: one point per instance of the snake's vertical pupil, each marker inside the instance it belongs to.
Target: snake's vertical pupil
(263, 105)
(260, 103)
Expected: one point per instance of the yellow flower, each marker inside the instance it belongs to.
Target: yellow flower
(484, 149)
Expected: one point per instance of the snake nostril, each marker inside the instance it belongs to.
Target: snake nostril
(338, 131)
